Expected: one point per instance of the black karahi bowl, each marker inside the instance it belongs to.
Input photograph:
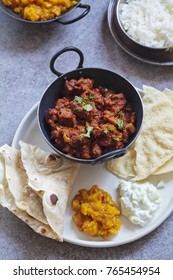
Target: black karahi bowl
(101, 77)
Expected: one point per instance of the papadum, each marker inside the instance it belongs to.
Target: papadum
(124, 167)
(169, 93)
(154, 146)
(168, 165)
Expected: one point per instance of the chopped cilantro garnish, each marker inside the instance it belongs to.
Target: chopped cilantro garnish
(91, 96)
(121, 114)
(110, 128)
(85, 100)
(78, 99)
(116, 138)
(87, 107)
(88, 129)
(75, 110)
(119, 123)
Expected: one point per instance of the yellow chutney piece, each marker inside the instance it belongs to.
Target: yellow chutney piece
(96, 212)
(39, 10)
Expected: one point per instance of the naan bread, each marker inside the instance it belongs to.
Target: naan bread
(52, 177)
(7, 201)
(25, 198)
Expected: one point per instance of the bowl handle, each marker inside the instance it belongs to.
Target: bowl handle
(87, 9)
(52, 62)
(112, 155)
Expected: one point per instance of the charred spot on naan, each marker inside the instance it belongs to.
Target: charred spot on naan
(53, 199)
(52, 158)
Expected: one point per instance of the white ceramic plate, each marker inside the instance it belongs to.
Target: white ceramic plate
(29, 132)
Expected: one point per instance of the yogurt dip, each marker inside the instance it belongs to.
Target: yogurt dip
(138, 201)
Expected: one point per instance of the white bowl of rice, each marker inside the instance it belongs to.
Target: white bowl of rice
(146, 27)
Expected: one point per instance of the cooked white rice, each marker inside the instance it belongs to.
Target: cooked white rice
(148, 22)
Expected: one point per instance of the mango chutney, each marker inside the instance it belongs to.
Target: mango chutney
(96, 212)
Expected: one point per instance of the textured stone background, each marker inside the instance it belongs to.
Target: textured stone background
(26, 50)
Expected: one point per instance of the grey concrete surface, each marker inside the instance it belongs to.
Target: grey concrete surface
(25, 51)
